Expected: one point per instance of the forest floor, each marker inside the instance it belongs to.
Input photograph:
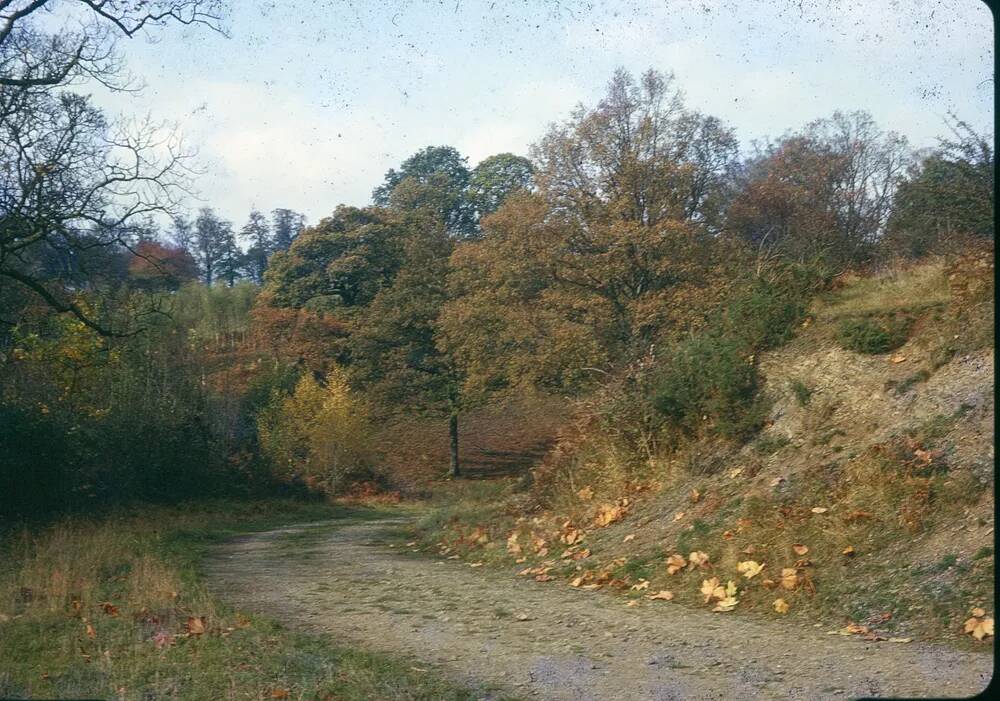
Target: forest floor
(363, 584)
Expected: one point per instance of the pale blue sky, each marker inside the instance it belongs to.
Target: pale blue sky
(309, 102)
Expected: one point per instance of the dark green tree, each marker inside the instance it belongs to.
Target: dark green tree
(495, 179)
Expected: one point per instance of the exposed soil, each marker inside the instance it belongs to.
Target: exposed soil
(549, 641)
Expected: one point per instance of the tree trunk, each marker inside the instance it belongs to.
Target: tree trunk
(453, 434)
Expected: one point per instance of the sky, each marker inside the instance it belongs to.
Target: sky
(306, 103)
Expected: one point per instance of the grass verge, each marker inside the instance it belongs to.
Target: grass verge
(113, 608)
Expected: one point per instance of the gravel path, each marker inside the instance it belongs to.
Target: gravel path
(550, 641)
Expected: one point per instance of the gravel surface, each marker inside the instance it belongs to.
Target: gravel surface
(549, 641)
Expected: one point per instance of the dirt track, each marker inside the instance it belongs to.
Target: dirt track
(550, 641)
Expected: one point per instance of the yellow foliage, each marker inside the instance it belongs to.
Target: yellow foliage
(321, 432)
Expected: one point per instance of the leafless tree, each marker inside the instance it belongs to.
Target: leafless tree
(71, 181)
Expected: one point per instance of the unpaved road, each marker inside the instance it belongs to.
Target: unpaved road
(575, 645)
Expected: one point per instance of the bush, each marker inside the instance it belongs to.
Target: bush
(711, 377)
(874, 335)
(320, 433)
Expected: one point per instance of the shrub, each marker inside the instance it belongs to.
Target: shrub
(801, 391)
(711, 377)
(874, 335)
(320, 433)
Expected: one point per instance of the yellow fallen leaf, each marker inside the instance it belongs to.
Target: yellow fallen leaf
(585, 494)
(896, 359)
(582, 555)
(789, 578)
(662, 595)
(694, 496)
(675, 562)
(726, 604)
(640, 585)
(591, 587)
(633, 602)
(475, 564)
(608, 514)
(848, 551)
(513, 547)
(630, 536)
(731, 588)
(819, 509)
(979, 628)
(749, 568)
(697, 559)
(709, 587)
(900, 640)
(978, 612)
(544, 578)
(572, 536)
(780, 605)
(678, 516)
(800, 549)
(578, 581)
(733, 474)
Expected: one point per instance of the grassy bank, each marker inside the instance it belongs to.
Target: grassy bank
(113, 608)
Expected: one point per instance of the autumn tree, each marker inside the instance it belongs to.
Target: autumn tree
(614, 249)
(395, 349)
(823, 195)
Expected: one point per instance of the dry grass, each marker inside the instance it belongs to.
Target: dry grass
(100, 608)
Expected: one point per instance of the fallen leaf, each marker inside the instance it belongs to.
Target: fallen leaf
(979, 628)
(780, 605)
(799, 548)
(475, 564)
(662, 595)
(733, 474)
(675, 562)
(728, 535)
(697, 559)
(572, 536)
(789, 578)
(896, 359)
(544, 578)
(630, 536)
(513, 547)
(608, 514)
(978, 612)
(633, 602)
(819, 509)
(591, 587)
(195, 625)
(582, 555)
(279, 694)
(900, 640)
(694, 496)
(709, 589)
(109, 608)
(848, 551)
(640, 585)
(91, 633)
(749, 568)
(726, 604)
(678, 516)
(578, 581)
(776, 481)
(585, 494)
(769, 584)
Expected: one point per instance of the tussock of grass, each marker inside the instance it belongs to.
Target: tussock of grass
(60, 580)
(912, 289)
